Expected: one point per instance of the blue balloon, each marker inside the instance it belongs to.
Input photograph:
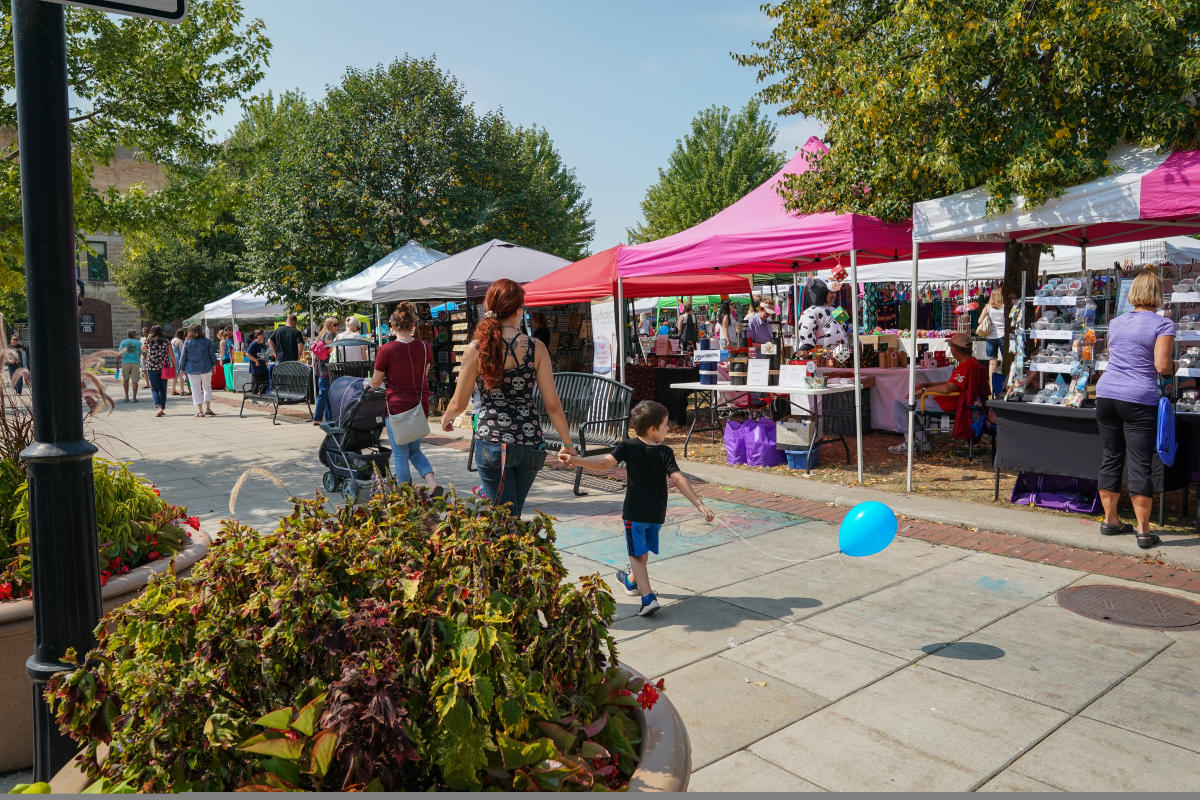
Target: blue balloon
(867, 529)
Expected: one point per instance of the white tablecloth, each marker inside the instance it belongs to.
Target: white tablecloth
(892, 385)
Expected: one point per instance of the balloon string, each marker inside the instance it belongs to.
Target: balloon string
(741, 538)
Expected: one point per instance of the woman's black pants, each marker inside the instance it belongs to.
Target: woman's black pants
(1127, 432)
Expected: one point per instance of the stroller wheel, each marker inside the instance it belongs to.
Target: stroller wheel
(350, 492)
(329, 482)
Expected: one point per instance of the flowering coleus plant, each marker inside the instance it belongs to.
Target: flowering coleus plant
(413, 643)
(134, 526)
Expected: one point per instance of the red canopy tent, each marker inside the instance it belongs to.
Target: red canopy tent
(596, 276)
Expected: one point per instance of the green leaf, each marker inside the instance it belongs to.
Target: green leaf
(591, 749)
(306, 719)
(279, 746)
(516, 755)
(324, 746)
(564, 739)
(41, 787)
(276, 720)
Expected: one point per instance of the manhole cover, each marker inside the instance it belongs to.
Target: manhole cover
(1126, 606)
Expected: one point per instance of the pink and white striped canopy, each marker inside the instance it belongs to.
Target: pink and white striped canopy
(1150, 194)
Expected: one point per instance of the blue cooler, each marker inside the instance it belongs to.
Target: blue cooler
(708, 373)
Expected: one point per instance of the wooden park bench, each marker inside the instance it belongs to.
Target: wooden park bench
(291, 382)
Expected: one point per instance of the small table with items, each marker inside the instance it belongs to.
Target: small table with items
(705, 397)
(1057, 440)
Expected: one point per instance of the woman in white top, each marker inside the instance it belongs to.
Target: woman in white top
(991, 327)
(353, 331)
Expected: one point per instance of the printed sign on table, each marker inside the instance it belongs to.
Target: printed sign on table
(759, 372)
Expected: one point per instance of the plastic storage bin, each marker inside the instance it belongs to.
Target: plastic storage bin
(802, 459)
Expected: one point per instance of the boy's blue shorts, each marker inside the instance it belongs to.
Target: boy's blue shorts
(641, 537)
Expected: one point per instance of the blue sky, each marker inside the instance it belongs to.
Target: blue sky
(615, 83)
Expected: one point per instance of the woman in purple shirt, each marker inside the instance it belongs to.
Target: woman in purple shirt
(1140, 348)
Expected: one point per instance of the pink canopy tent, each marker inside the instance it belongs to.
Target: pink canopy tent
(758, 235)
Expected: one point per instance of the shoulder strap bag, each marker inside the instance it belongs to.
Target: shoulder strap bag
(410, 426)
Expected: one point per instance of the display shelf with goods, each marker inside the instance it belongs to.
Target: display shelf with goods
(1184, 302)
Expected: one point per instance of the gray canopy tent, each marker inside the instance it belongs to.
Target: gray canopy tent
(469, 273)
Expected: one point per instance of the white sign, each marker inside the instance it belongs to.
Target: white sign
(759, 372)
(793, 375)
(161, 10)
(604, 335)
(701, 356)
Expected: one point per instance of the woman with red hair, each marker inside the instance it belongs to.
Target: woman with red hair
(507, 364)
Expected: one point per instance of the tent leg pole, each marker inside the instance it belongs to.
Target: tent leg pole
(620, 329)
(912, 367)
(378, 341)
(312, 331)
(858, 430)
(796, 312)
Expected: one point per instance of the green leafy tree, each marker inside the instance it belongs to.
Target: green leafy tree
(138, 84)
(724, 157)
(396, 153)
(924, 98)
(172, 277)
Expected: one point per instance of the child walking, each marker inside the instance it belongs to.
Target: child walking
(648, 464)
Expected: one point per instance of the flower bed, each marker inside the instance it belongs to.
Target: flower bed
(409, 644)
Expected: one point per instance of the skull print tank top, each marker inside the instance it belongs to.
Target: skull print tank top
(508, 413)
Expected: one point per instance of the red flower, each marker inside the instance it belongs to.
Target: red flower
(153, 556)
(103, 578)
(464, 594)
(5, 591)
(194, 522)
(648, 696)
(156, 491)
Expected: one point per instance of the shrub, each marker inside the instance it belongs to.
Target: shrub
(133, 524)
(409, 644)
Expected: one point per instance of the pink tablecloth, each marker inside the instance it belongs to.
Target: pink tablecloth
(892, 385)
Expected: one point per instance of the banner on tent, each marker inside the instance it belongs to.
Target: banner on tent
(604, 335)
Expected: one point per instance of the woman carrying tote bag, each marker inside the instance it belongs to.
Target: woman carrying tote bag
(404, 364)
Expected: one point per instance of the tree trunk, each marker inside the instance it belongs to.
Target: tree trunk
(1019, 259)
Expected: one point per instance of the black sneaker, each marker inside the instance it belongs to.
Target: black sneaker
(1114, 529)
(1147, 540)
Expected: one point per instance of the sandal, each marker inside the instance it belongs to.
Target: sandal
(201, 415)
(1115, 528)
(210, 413)
(1147, 540)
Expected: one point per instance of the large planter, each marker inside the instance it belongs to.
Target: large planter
(16, 645)
(665, 766)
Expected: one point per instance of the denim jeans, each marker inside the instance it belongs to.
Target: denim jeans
(323, 411)
(402, 454)
(158, 387)
(513, 465)
(900, 412)
(20, 384)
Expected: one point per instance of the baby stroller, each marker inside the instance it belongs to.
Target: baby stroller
(351, 450)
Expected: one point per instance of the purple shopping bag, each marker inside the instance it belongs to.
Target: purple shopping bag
(735, 441)
(760, 443)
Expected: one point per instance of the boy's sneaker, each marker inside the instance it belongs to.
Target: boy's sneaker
(649, 605)
(626, 580)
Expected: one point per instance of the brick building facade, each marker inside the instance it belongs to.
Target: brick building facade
(105, 315)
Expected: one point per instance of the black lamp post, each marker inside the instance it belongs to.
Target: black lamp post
(62, 505)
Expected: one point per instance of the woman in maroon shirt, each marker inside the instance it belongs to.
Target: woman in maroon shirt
(405, 364)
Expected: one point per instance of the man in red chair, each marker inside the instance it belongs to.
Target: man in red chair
(968, 386)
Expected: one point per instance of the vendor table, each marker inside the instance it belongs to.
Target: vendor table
(891, 385)
(705, 396)
(1055, 440)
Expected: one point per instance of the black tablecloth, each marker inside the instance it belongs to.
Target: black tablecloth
(674, 399)
(1053, 440)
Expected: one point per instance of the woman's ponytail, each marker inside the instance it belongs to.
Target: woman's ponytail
(503, 299)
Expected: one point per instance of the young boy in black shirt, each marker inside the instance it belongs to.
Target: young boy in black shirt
(648, 464)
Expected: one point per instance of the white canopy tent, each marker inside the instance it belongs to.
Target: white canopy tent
(1064, 260)
(245, 304)
(1149, 192)
(401, 261)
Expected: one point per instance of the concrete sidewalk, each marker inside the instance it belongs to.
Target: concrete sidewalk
(925, 667)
